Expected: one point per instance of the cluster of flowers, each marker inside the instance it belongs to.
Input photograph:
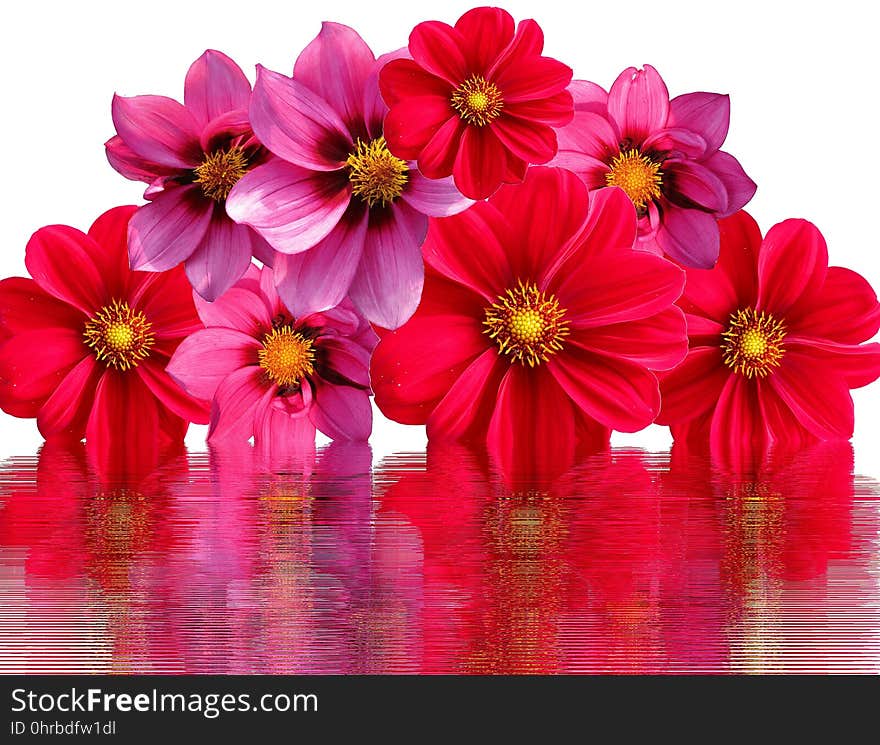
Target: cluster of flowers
(493, 249)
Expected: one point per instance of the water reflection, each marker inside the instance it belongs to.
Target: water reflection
(240, 561)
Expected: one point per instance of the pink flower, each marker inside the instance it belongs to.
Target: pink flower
(191, 155)
(274, 376)
(346, 215)
(478, 100)
(664, 154)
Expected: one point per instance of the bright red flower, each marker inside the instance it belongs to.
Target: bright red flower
(477, 100)
(775, 342)
(539, 326)
(85, 343)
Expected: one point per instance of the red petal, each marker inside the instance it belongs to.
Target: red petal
(437, 48)
(531, 141)
(858, 364)
(536, 77)
(737, 425)
(480, 165)
(34, 363)
(170, 394)
(412, 123)
(109, 248)
(24, 306)
(792, 263)
(693, 387)
(437, 159)
(486, 32)
(557, 110)
(67, 410)
(402, 79)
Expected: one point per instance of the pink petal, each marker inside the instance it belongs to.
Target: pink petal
(818, 397)
(318, 279)
(658, 342)
(215, 85)
(620, 394)
(707, 114)
(222, 257)
(131, 165)
(388, 284)
(169, 229)
(639, 103)
(449, 249)
(588, 96)
(158, 129)
(466, 409)
(60, 260)
(66, 411)
(336, 65)
(740, 188)
(413, 122)
(434, 197)
(689, 184)
(296, 124)
(693, 387)
(591, 135)
(844, 310)
(238, 308)
(689, 236)
(278, 433)
(675, 142)
(205, 359)
(170, 394)
(347, 359)
(533, 142)
(341, 412)
(437, 48)
(291, 207)
(792, 262)
(588, 169)
(237, 403)
(479, 166)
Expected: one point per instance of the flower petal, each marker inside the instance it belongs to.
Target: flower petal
(639, 102)
(555, 110)
(296, 124)
(124, 412)
(215, 85)
(590, 134)
(485, 32)
(158, 129)
(237, 403)
(66, 411)
(222, 257)
(276, 432)
(413, 122)
(437, 47)
(737, 425)
(403, 79)
(336, 65)
(205, 359)
(24, 306)
(620, 394)
(479, 166)
(169, 229)
(689, 236)
(858, 364)
(740, 188)
(532, 78)
(792, 262)
(438, 156)
(707, 114)
(170, 394)
(434, 197)
(388, 284)
(318, 279)
(688, 184)
(291, 207)
(131, 165)
(33, 364)
(693, 387)
(341, 412)
(531, 141)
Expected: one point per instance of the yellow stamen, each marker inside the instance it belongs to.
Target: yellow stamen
(639, 176)
(376, 176)
(287, 356)
(119, 336)
(753, 343)
(477, 101)
(527, 324)
(220, 171)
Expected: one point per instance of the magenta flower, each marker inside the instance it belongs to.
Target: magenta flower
(346, 215)
(275, 377)
(664, 154)
(191, 155)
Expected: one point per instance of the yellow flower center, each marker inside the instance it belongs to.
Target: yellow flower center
(639, 176)
(526, 324)
(220, 171)
(376, 176)
(119, 336)
(752, 344)
(287, 356)
(477, 101)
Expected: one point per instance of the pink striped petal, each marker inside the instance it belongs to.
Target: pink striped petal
(697, 184)
(170, 394)
(222, 257)
(434, 197)
(707, 114)
(237, 403)
(205, 359)
(740, 188)
(131, 165)
(639, 103)
(215, 85)
(276, 432)
(158, 129)
(689, 236)
(341, 412)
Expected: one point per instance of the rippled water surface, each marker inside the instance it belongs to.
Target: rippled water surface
(322, 563)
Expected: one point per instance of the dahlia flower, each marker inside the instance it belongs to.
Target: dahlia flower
(346, 216)
(664, 154)
(477, 100)
(775, 342)
(276, 377)
(191, 155)
(85, 343)
(539, 324)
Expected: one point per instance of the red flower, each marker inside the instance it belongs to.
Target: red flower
(85, 343)
(775, 342)
(477, 100)
(539, 324)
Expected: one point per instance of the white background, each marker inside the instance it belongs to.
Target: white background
(802, 78)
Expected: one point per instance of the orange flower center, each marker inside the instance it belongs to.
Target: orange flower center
(376, 176)
(753, 345)
(119, 336)
(220, 171)
(639, 176)
(527, 324)
(477, 101)
(287, 356)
